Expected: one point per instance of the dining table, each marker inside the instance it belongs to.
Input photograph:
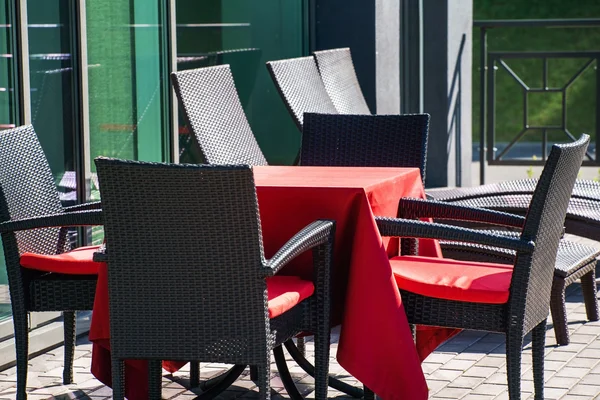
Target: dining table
(375, 344)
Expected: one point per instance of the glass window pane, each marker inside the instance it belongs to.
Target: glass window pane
(245, 34)
(126, 79)
(52, 88)
(128, 82)
(8, 92)
(8, 117)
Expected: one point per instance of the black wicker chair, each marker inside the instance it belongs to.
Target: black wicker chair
(300, 86)
(513, 301)
(211, 104)
(401, 141)
(574, 260)
(365, 140)
(30, 201)
(223, 136)
(338, 74)
(220, 269)
(584, 189)
(583, 216)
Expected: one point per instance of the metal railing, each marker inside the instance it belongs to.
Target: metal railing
(491, 61)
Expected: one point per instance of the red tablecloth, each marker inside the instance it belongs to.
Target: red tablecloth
(375, 344)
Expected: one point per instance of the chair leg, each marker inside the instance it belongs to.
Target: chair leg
(264, 376)
(310, 369)
(21, 326)
(559, 313)
(118, 383)
(538, 338)
(301, 345)
(194, 374)
(514, 348)
(588, 287)
(69, 328)
(322, 344)
(155, 380)
(253, 373)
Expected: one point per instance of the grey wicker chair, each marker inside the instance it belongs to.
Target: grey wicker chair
(526, 306)
(583, 214)
(211, 104)
(29, 200)
(584, 189)
(300, 86)
(339, 77)
(220, 269)
(401, 141)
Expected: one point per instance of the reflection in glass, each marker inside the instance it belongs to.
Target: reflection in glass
(244, 34)
(52, 88)
(128, 81)
(8, 118)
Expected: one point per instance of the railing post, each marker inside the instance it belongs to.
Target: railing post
(491, 108)
(482, 101)
(597, 108)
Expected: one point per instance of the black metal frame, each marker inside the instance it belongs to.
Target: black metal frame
(488, 61)
(498, 58)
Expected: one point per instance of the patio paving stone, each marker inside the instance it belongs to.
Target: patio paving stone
(470, 366)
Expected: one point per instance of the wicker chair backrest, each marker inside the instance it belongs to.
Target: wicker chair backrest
(301, 87)
(532, 277)
(365, 140)
(27, 189)
(338, 74)
(215, 115)
(185, 271)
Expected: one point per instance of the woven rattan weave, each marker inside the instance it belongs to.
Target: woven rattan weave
(29, 200)
(213, 109)
(300, 85)
(220, 269)
(584, 189)
(574, 261)
(365, 140)
(339, 77)
(530, 289)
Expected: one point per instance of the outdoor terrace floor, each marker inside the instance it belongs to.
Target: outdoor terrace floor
(470, 366)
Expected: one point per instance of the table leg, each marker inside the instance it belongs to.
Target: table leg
(215, 386)
(284, 374)
(194, 374)
(310, 369)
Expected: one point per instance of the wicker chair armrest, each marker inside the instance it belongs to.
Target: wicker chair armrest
(408, 228)
(511, 234)
(77, 218)
(312, 235)
(95, 205)
(419, 208)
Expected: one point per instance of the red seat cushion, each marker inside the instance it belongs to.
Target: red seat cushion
(285, 292)
(456, 280)
(74, 262)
